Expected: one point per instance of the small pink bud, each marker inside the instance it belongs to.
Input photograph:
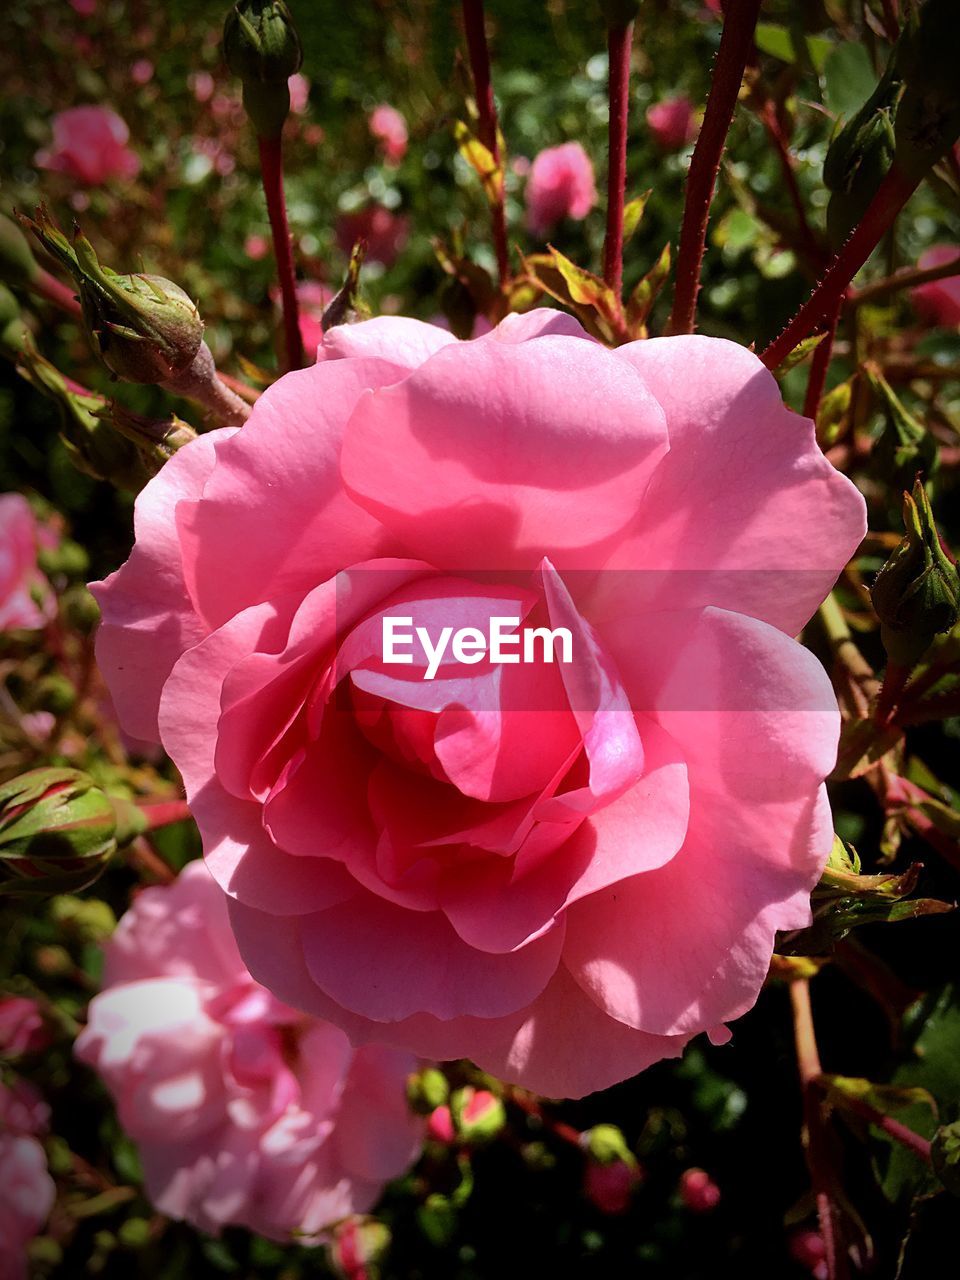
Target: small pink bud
(698, 1191)
(299, 87)
(256, 247)
(142, 71)
(440, 1125)
(609, 1186)
(201, 85)
(672, 123)
(808, 1249)
(390, 129)
(357, 1244)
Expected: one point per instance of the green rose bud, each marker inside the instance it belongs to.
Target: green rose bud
(945, 1153)
(357, 1246)
(606, 1144)
(261, 46)
(157, 439)
(916, 594)
(904, 446)
(144, 327)
(478, 1115)
(58, 831)
(18, 266)
(93, 445)
(860, 156)
(427, 1090)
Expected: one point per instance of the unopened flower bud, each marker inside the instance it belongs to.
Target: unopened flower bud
(860, 156)
(698, 1191)
(358, 1246)
(347, 306)
(18, 266)
(916, 594)
(478, 1115)
(440, 1126)
(157, 439)
(609, 1187)
(145, 328)
(58, 831)
(605, 1144)
(945, 1152)
(619, 13)
(94, 447)
(427, 1090)
(926, 57)
(904, 447)
(261, 46)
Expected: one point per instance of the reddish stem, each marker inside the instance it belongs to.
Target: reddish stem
(736, 43)
(163, 813)
(894, 681)
(61, 295)
(619, 41)
(899, 1132)
(565, 1132)
(473, 23)
(807, 240)
(892, 194)
(250, 394)
(271, 170)
(905, 279)
(820, 363)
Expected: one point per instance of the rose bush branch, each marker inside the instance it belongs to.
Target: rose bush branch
(736, 43)
(619, 15)
(479, 54)
(262, 48)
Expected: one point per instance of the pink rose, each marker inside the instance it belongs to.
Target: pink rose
(386, 233)
(672, 123)
(90, 144)
(560, 185)
(245, 1111)
(21, 1026)
(390, 129)
(938, 301)
(563, 871)
(27, 1191)
(26, 601)
(85, 8)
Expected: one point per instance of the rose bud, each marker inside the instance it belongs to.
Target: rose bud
(427, 1090)
(145, 327)
(93, 445)
(440, 1126)
(478, 1115)
(358, 1246)
(605, 1144)
(938, 301)
(17, 264)
(22, 1028)
(859, 157)
(609, 1186)
(916, 594)
(262, 48)
(808, 1249)
(58, 831)
(698, 1191)
(156, 439)
(904, 447)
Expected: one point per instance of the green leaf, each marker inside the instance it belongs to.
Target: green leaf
(633, 213)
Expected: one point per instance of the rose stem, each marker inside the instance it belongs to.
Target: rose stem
(144, 857)
(271, 172)
(163, 813)
(818, 1161)
(890, 197)
(899, 1132)
(807, 240)
(530, 1106)
(902, 280)
(201, 383)
(473, 23)
(894, 680)
(250, 394)
(736, 42)
(819, 364)
(61, 295)
(619, 40)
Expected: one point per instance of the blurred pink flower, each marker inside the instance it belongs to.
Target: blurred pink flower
(698, 1191)
(385, 232)
(27, 1191)
(89, 144)
(26, 601)
(202, 85)
(299, 87)
(390, 129)
(560, 185)
(256, 247)
(672, 123)
(313, 298)
(245, 1111)
(21, 1026)
(85, 8)
(142, 71)
(938, 301)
